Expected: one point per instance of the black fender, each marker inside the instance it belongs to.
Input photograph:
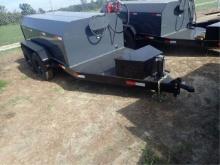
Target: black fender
(40, 50)
(131, 28)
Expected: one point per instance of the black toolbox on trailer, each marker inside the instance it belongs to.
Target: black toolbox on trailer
(213, 34)
(138, 63)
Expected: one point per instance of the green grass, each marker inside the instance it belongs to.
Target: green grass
(201, 1)
(10, 34)
(150, 158)
(58, 90)
(205, 7)
(24, 77)
(3, 84)
(14, 101)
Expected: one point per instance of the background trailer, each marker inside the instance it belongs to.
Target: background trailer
(163, 21)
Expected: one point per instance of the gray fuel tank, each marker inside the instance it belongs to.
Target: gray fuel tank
(158, 17)
(74, 37)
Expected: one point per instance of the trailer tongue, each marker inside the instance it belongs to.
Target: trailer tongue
(89, 47)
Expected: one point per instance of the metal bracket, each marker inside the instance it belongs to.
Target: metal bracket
(159, 82)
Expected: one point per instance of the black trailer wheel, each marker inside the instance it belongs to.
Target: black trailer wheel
(40, 68)
(28, 59)
(27, 56)
(129, 39)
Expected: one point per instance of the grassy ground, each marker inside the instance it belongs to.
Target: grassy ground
(10, 34)
(50, 122)
(205, 7)
(3, 84)
(202, 1)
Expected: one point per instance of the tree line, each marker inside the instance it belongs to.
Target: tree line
(85, 6)
(7, 17)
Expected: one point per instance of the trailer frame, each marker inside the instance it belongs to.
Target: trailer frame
(169, 39)
(158, 85)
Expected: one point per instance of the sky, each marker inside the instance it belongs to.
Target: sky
(12, 5)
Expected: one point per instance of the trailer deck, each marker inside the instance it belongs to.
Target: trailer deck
(187, 34)
(198, 35)
(103, 70)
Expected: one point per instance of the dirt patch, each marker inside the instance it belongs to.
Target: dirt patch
(67, 121)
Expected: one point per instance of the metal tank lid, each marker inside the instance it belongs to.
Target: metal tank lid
(63, 16)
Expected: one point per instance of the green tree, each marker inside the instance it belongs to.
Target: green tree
(26, 9)
(8, 17)
(2, 9)
(3, 15)
(83, 3)
(100, 2)
(41, 11)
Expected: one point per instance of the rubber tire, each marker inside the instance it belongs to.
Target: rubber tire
(39, 67)
(27, 56)
(129, 40)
